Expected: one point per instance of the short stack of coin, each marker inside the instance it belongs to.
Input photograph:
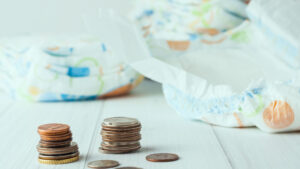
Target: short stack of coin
(120, 135)
(56, 146)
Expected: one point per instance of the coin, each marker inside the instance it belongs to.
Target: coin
(65, 161)
(103, 164)
(57, 138)
(105, 151)
(53, 129)
(119, 143)
(58, 157)
(120, 121)
(162, 157)
(53, 144)
(58, 151)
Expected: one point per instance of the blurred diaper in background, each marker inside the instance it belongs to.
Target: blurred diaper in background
(63, 68)
(171, 27)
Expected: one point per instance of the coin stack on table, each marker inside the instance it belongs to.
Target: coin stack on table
(56, 146)
(120, 135)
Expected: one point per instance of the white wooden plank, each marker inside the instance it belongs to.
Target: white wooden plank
(251, 148)
(19, 135)
(162, 131)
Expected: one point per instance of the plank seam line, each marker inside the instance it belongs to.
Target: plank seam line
(94, 134)
(221, 145)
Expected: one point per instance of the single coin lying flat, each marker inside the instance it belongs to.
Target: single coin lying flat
(162, 157)
(99, 164)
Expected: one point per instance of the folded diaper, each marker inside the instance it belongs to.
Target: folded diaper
(63, 68)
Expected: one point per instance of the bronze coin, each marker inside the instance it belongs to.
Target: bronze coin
(53, 139)
(56, 142)
(103, 164)
(162, 157)
(57, 135)
(58, 157)
(57, 151)
(53, 129)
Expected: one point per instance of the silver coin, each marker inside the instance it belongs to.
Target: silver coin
(103, 164)
(120, 121)
(119, 143)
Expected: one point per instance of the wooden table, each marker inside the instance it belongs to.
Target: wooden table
(199, 145)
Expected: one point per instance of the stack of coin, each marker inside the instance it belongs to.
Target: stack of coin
(120, 135)
(56, 146)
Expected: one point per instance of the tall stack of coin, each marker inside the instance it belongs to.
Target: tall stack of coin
(56, 146)
(120, 135)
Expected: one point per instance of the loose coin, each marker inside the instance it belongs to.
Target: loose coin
(162, 157)
(53, 129)
(103, 164)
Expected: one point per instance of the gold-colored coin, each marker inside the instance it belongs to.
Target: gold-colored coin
(65, 161)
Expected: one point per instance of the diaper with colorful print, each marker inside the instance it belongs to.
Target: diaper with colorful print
(63, 68)
(173, 27)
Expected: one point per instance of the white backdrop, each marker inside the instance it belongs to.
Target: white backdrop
(40, 16)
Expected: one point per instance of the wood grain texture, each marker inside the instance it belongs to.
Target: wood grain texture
(251, 148)
(198, 145)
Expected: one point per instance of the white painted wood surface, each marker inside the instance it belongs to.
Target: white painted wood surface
(199, 145)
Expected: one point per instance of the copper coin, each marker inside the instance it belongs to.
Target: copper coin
(120, 121)
(103, 164)
(121, 148)
(53, 128)
(55, 143)
(56, 138)
(58, 157)
(162, 157)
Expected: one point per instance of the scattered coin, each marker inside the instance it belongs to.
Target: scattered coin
(103, 164)
(56, 146)
(120, 135)
(162, 157)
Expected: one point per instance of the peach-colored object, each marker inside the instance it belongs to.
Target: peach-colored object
(124, 89)
(239, 121)
(179, 45)
(119, 91)
(209, 31)
(278, 115)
